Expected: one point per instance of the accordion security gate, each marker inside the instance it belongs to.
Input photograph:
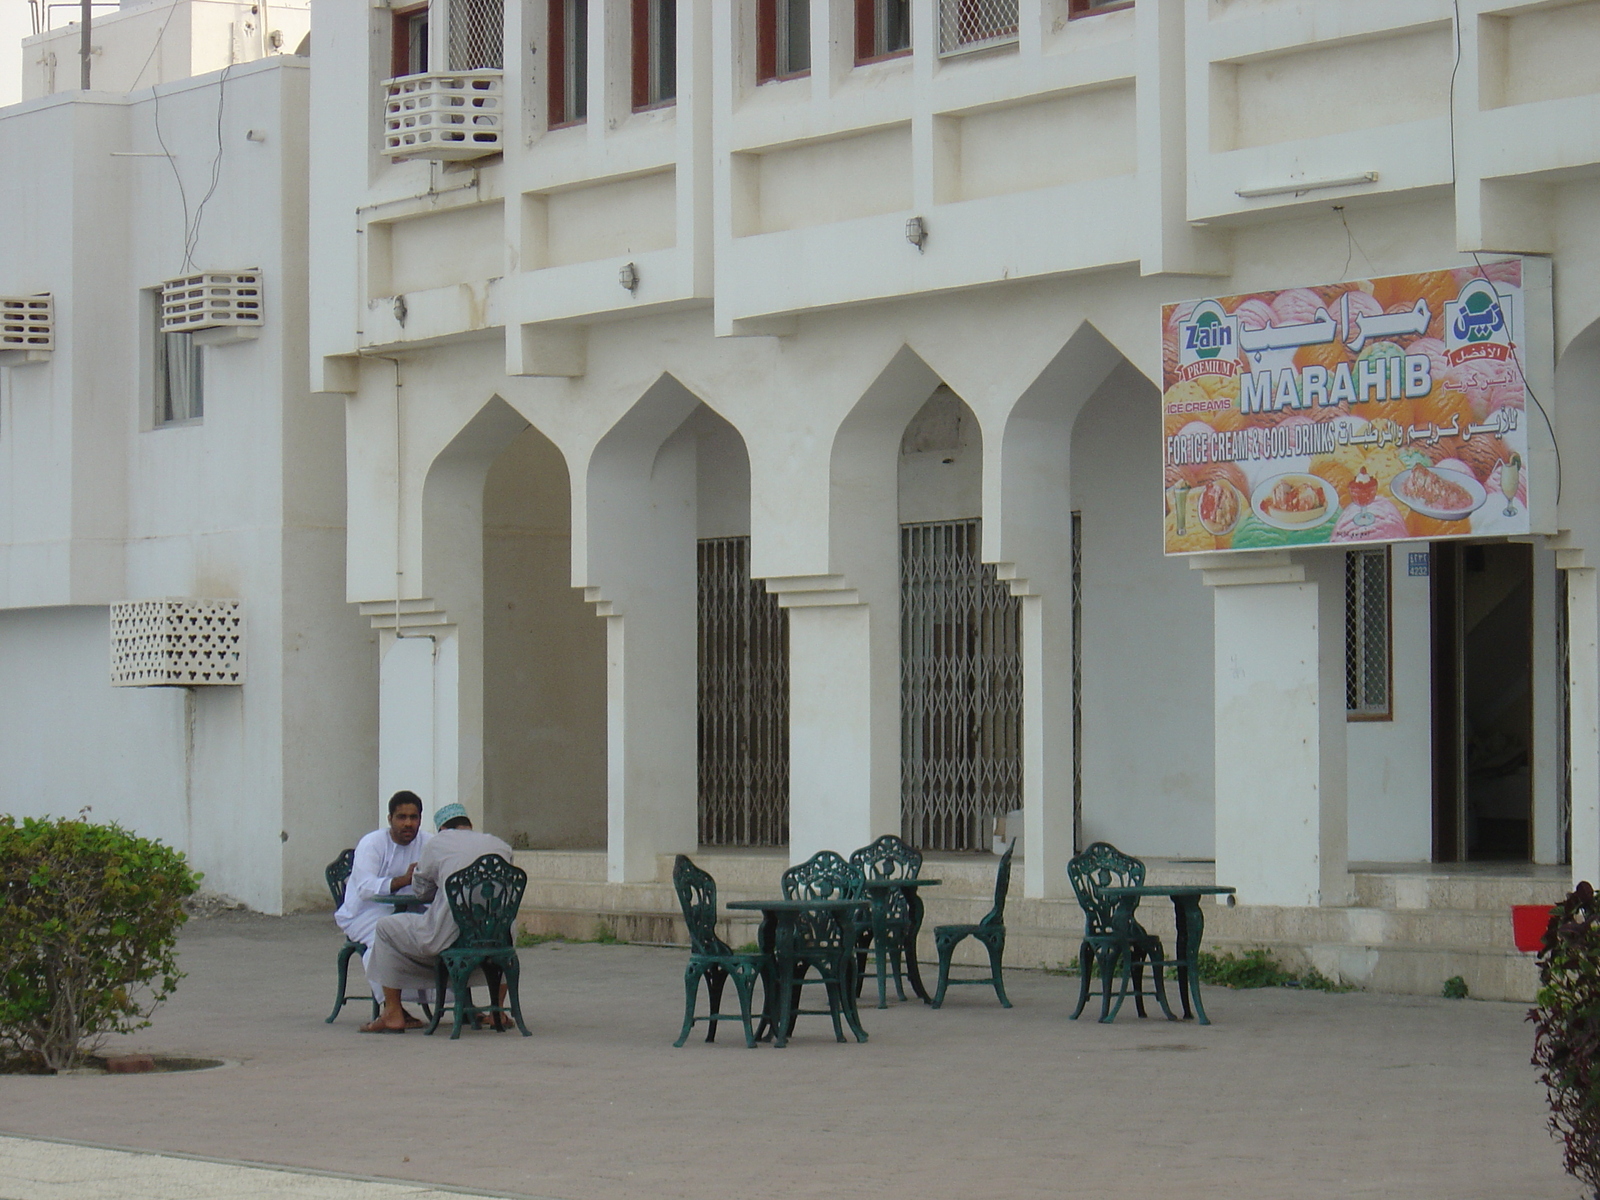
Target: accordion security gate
(743, 702)
(960, 689)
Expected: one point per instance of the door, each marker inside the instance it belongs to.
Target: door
(1483, 702)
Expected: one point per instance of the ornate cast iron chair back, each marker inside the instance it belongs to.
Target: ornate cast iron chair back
(484, 897)
(823, 876)
(697, 897)
(890, 858)
(337, 875)
(1102, 865)
(1002, 886)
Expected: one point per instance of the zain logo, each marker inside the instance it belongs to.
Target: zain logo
(1208, 342)
(1478, 314)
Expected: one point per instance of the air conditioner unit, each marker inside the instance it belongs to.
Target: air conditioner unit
(221, 306)
(27, 328)
(455, 116)
(177, 642)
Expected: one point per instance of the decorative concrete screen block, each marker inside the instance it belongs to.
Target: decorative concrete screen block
(27, 323)
(460, 115)
(177, 642)
(976, 24)
(229, 300)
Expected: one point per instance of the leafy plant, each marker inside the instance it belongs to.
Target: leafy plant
(605, 935)
(749, 948)
(1455, 988)
(1566, 1021)
(89, 920)
(1255, 969)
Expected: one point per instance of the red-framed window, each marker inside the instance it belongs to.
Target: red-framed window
(883, 29)
(569, 61)
(409, 46)
(783, 39)
(655, 53)
(1087, 8)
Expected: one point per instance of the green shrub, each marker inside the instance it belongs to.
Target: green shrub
(89, 919)
(1255, 969)
(1455, 988)
(1566, 1044)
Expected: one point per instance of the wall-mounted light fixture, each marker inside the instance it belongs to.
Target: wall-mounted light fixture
(917, 233)
(400, 310)
(628, 277)
(1298, 187)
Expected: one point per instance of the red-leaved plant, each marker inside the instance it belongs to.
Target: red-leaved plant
(1566, 1044)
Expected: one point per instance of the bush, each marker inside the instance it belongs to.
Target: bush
(89, 919)
(1566, 1044)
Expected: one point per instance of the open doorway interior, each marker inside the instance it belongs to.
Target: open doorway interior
(1483, 702)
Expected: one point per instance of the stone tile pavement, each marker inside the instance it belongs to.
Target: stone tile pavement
(1288, 1094)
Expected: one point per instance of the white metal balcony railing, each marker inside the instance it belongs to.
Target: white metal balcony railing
(455, 115)
(976, 24)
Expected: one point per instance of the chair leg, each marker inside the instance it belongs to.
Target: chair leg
(1085, 965)
(1106, 961)
(997, 952)
(463, 1000)
(946, 949)
(513, 970)
(691, 991)
(345, 952)
(1138, 985)
(835, 989)
(744, 987)
(439, 983)
(716, 977)
(896, 958)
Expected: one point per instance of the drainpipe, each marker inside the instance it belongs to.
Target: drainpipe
(84, 20)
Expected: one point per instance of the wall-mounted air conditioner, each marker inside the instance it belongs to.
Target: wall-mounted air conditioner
(27, 328)
(218, 306)
(177, 642)
(458, 115)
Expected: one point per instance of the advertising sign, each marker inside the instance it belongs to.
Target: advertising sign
(1373, 411)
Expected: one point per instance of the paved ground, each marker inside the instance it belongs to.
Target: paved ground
(1288, 1094)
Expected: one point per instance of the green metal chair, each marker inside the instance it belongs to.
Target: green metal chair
(1112, 938)
(819, 941)
(710, 958)
(484, 897)
(337, 875)
(890, 934)
(991, 931)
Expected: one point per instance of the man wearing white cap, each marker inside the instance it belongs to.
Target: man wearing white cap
(406, 946)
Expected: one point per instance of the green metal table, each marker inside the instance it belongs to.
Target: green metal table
(878, 891)
(1191, 924)
(776, 939)
(402, 901)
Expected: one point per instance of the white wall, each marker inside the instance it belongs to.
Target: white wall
(15, 24)
(1147, 679)
(1391, 764)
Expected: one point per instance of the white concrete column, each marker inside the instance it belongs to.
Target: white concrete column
(1046, 742)
(419, 731)
(844, 707)
(1583, 665)
(1280, 727)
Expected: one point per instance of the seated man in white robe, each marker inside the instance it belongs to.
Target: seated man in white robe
(384, 862)
(406, 946)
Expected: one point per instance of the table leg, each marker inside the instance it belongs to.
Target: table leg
(913, 973)
(1181, 952)
(1124, 923)
(783, 961)
(1191, 925)
(767, 939)
(847, 939)
(880, 952)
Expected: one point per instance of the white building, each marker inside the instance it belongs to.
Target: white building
(843, 277)
(155, 452)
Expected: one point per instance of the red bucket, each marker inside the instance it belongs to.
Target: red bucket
(1528, 923)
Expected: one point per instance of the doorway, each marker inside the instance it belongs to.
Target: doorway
(1482, 599)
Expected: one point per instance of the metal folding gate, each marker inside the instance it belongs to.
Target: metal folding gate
(743, 701)
(960, 689)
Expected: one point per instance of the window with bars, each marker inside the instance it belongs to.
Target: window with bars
(569, 61)
(783, 39)
(1367, 676)
(655, 53)
(976, 24)
(743, 702)
(883, 29)
(409, 48)
(960, 689)
(477, 35)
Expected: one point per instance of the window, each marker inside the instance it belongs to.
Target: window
(410, 42)
(655, 53)
(783, 39)
(569, 61)
(1084, 8)
(477, 35)
(1366, 635)
(179, 378)
(883, 29)
(975, 24)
